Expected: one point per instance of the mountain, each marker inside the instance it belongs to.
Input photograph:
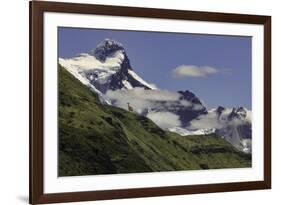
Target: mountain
(106, 68)
(232, 124)
(237, 127)
(187, 107)
(197, 109)
(96, 138)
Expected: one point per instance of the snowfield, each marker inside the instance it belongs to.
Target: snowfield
(184, 132)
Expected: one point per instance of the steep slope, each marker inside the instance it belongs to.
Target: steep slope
(100, 139)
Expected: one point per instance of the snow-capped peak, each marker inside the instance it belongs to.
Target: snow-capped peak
(220, 109)
(107, 48)
(229, 114)
(238, 113)
(106, 68)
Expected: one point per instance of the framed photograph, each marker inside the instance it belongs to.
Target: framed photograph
(139, 102)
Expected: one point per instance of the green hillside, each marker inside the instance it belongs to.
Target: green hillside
(101, 139)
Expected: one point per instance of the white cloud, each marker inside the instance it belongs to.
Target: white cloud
(193, 71)
(165, 120)
(197, 107)
(141, 99)
(212, 120)
(141, 93)
(207, 121)
(153, 103)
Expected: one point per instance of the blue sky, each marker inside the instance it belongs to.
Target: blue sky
(216, 68)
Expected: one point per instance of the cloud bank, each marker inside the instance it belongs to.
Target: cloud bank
(165, 120)
(212, 120)
(141, 99)
(152, 103)
(193, 71)
(207, 121)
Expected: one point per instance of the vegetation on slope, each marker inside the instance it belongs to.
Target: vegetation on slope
(101, 139)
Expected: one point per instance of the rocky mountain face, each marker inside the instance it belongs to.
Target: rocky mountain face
(236, 127)
(233, 124)
(187, 107)
(186, 115)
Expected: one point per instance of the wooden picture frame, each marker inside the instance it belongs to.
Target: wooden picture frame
(37, 10)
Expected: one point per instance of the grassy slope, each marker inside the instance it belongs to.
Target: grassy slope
(101, 139)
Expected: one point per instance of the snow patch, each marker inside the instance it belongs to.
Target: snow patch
(127, 84)
(88, 62)
(184, 132)
(77, 74)
(138, 78)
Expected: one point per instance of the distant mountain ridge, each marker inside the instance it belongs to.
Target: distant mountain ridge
(233, 124)
(237, 127)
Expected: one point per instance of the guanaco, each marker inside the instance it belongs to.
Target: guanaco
(130, 108)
